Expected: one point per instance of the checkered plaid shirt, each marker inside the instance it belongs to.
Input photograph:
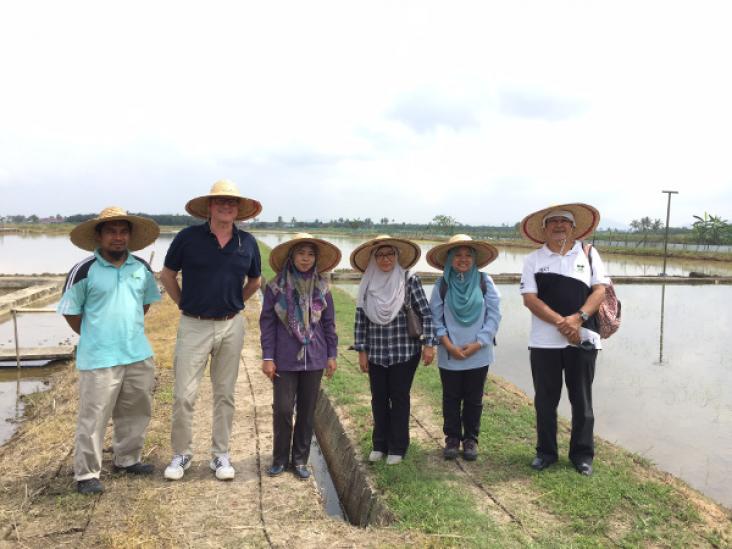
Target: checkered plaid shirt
(390, 344)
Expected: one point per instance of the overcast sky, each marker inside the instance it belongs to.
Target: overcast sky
(483, 111)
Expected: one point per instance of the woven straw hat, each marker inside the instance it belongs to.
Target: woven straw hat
(409, 252)
(484, 252)
(248, 207)
(328, 254)
(585, 216)
(144, 230)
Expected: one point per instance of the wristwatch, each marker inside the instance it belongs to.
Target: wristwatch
(583, 315)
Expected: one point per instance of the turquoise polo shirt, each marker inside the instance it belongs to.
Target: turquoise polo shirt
(110, 300)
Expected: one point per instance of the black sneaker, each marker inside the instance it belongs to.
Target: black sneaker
(89, 486)
(138, 468)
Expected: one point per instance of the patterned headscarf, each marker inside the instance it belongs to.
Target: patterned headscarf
(464, 296)
(299, 299)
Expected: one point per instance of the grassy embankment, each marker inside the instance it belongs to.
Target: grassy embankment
(626, 502)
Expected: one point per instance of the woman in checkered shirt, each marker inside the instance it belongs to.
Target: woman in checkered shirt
(385, 349)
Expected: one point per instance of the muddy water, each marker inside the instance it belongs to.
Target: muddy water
(664, 395)
(11, 404)
(38, 330)
(20, 254)
(34, 330)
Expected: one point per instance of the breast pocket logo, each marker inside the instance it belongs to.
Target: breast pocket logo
(580, 268)
(544, 269)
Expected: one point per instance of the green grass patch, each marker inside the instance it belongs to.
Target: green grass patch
(590, 508)
(264, 251)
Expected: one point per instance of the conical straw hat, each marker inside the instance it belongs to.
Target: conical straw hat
(248, 207)
(144, 230)
(485, 252)
(409, 252)
(328, 254)
(586, 219)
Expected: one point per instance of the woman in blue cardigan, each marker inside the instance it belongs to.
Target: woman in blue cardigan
(466, 314)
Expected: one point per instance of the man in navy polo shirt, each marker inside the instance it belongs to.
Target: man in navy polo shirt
(221, 269)
(563, 288)
(105, 300)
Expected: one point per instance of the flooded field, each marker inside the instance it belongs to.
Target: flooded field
(37, 330)
(37, 254)
(662, 382)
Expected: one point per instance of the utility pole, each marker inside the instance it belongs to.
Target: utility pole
(665, 241)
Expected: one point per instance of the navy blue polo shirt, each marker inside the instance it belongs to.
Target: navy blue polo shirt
(213, 277)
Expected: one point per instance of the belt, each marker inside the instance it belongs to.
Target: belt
(199, 317)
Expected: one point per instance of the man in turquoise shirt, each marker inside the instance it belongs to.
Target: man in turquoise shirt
(105, 300)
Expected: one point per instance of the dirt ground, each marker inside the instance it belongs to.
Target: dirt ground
(39, 506)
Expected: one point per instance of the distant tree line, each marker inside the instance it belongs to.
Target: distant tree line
(160, 219)
(707, 229)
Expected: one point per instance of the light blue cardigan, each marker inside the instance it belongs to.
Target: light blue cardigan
(483, 330)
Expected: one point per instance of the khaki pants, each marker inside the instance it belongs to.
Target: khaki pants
(125, 394)
(222, 340)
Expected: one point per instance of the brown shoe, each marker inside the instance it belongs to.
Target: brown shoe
(470, 449)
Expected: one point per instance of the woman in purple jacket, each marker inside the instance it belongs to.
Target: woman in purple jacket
(299, 342)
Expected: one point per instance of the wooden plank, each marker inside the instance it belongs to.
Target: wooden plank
(7, 354)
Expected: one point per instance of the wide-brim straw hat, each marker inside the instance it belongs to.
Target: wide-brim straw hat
(586, 219)
(484, 252)
(409, 252)
(144, 230)
(248, 207)
(328, 254)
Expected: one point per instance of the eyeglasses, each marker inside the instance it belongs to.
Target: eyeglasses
(225, 201)
(384, 255)
(558, 220)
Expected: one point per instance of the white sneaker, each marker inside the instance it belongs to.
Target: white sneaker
(376, 456)
(222, 466)
(393, 460)
(177, 467)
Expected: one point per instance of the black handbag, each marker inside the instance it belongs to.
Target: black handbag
(414, 321)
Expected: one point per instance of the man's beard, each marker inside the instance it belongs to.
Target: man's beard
(116, 255)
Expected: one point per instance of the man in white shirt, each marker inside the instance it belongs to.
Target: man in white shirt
(563, 288)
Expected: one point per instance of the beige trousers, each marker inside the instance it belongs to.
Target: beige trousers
(221, 340)
(125, 394)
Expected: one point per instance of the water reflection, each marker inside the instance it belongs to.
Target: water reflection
(15, 384)
(24, 254)
(676, 411)
(511, 259)
(660, 331)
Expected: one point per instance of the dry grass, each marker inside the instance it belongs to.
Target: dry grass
(39, 505)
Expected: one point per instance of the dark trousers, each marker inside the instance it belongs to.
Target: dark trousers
(578, 366)
(462, 389)
(390, 405)
(294, 390)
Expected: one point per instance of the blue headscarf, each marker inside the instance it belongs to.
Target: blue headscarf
(464, 296)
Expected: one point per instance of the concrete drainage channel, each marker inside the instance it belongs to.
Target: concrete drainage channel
(356, 496)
